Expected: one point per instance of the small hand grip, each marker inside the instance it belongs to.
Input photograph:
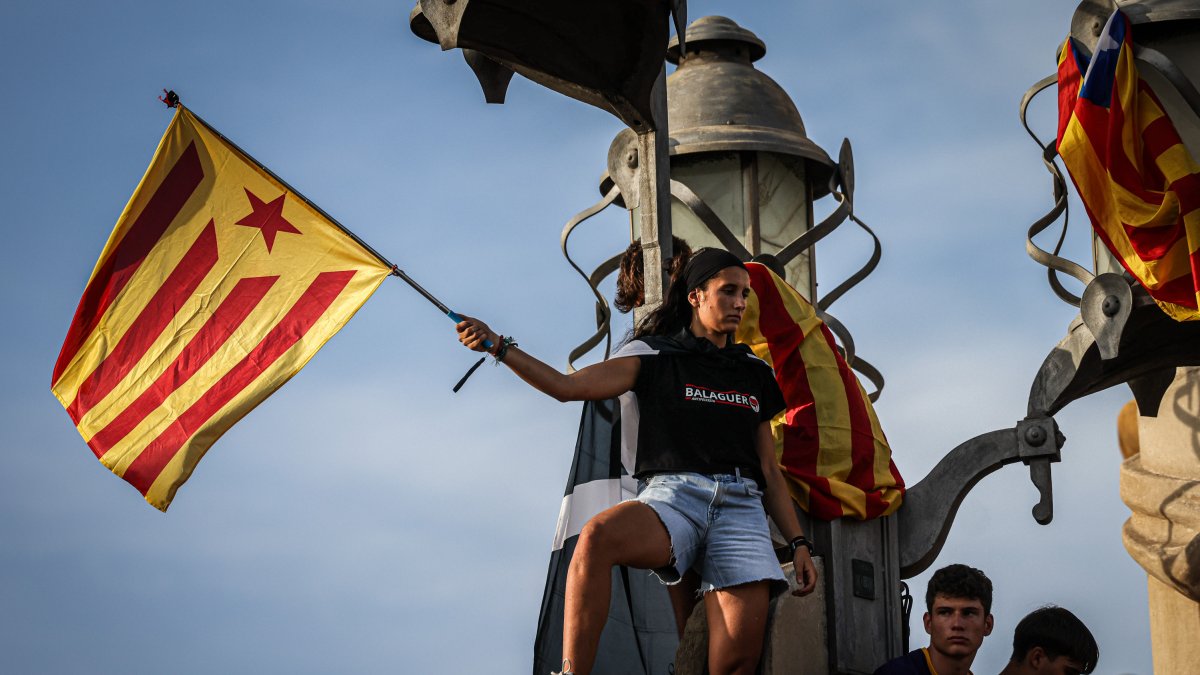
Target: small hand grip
(487, 344)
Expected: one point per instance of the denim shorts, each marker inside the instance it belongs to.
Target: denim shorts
(717, 525)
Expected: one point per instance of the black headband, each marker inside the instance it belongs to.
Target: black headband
(705, 264)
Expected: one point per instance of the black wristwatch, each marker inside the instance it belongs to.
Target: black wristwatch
(801, 541)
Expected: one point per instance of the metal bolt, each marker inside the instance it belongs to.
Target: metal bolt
(631, 159)
(1112, 305)
(1035, 436)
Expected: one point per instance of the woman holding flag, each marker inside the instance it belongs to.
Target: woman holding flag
(702, 406)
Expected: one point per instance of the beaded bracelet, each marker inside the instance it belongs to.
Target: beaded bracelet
(502, 350)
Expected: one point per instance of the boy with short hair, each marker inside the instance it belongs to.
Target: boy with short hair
(1052, 641)
(959, 616)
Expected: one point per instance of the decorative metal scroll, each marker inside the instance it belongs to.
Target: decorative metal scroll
(814, 234)
(869, 371)
(603, 313)
(711, 220)
(841, 185)
(1051, 260)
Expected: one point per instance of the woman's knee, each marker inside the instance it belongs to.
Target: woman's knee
(598, 542)
(630, 534)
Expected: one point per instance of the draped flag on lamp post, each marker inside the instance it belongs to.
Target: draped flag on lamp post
(217, 285)
(831, 449)
(1139, 184)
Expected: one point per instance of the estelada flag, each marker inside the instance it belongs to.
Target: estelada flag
(828, 440)
(1139, 184)
(217, 285)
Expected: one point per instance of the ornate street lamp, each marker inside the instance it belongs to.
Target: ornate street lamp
(744, 173)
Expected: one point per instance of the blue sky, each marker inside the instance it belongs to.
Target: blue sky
(365, 519)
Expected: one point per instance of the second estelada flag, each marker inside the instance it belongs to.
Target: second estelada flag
(1136, 178)
(216, 286)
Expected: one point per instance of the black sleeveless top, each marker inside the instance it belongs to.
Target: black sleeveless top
(696, 407)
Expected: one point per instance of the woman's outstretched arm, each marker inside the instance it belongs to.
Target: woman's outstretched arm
(778, 503)
(607, 379)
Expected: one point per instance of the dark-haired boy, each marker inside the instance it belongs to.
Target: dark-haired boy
(1052, 641)
(959, 616)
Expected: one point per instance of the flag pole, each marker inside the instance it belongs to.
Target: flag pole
(172, 101)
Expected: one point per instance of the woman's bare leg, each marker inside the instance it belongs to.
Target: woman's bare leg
(683, 598)
(629, 533)
(737, 621)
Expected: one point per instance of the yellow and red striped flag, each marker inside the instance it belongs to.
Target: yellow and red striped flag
(1139, 184)
(828, 441)
(216, 286)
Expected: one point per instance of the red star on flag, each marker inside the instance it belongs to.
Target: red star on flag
(267, 217)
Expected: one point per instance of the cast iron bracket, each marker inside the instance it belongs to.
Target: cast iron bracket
(930, 505)
(1120, 336)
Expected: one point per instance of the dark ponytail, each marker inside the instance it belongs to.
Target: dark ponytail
(673, 315)
(630, 288)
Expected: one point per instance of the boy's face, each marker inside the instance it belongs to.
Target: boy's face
(957, 626)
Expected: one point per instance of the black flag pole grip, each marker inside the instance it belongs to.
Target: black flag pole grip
(470, 372)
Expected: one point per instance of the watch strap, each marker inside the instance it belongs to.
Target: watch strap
(800, 542)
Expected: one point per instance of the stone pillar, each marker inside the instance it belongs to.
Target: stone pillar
(1174, 630)
(1161, 486)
